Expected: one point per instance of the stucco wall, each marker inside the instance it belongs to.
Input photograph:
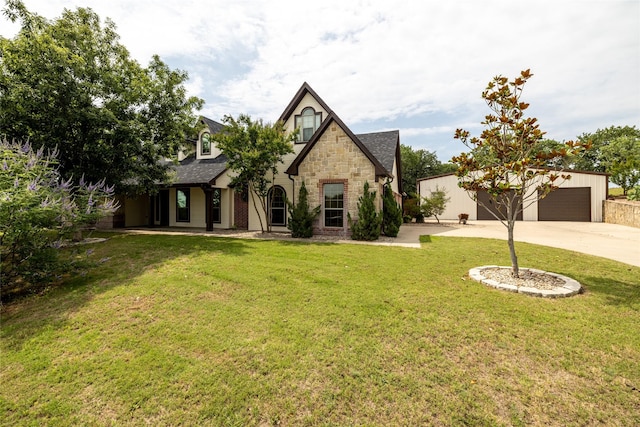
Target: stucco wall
(622, 212)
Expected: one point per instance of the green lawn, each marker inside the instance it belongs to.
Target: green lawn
(184, 330)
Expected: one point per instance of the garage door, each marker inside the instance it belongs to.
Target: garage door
(484, 214)
(566, 204)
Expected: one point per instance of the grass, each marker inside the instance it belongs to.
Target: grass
(188, 330)
(615, 191)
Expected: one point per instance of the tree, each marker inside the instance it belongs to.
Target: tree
(254, 150)
(508, 160)
(435, 204)
(37, 210)
(391, 213)
(418, 164)
(367, 226)
(593, 159)
(621, 159)
(300, 216)
(69, 84)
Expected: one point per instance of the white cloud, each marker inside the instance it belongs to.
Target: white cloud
(380, 62)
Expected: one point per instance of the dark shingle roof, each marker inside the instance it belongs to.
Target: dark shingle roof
(383, 146)
(214, 127)
(199, 171)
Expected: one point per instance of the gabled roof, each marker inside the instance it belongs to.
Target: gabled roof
(192, 171)
(383, 146)
(304, 89)
(332, 117)
(214, 127)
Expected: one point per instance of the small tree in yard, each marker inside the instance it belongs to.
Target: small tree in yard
(391, 213)
(300, 217)
(367, 227)
(507, 160)
(253, 151)
(435, 204)
(37, 210)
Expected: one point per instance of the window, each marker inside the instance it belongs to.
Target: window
(216, 197)
(182, 205)
(308, 122)
(277, 206)
(333, 205)
(206, 143)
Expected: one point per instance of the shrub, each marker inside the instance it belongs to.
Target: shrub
(435, 204)
(301, 218)
(391, 213)
(367, 227)
(411, 206)
(634, 194)
(37, 210)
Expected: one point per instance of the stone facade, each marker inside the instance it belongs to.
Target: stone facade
(623, 212)
(335, 158)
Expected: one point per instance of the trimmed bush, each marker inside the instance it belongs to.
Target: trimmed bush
(391, 213)
(300, 217)
(367, 227)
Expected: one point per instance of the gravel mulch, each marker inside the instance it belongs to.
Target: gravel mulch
(529, 279)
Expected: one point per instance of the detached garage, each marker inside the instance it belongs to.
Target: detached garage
(566, 204)
(578, 199)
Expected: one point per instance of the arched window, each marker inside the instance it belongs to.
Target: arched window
(277, 206)
(205, 140)
(308, 122)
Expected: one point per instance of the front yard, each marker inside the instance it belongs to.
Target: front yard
(195, 330)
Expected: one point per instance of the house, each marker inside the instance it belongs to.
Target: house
(332, 161)
(577, 199)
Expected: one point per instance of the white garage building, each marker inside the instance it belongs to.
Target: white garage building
(578, 199)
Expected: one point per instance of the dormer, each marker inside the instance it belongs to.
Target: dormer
(206, 147)
(306, 111)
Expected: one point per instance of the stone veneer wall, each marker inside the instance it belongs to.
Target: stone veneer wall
(623, 212)
(336, 158)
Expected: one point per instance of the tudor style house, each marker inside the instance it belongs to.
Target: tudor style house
(328, 157)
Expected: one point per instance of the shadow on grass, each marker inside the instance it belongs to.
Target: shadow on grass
(117, 261)
(616, 292)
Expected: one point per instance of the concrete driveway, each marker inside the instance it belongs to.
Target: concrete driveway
(616, 242)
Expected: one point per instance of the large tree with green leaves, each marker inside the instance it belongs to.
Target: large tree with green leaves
(594, 159)
(69, 84)
(508, 160)
(621, 159)
(418, 164)
(254, 149)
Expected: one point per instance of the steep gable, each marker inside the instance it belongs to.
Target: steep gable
(298, 97)
(293, 168)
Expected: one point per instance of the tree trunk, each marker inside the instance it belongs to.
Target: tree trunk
(515, 271)
(255, 206)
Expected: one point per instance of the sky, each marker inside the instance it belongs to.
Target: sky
(418, 66)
